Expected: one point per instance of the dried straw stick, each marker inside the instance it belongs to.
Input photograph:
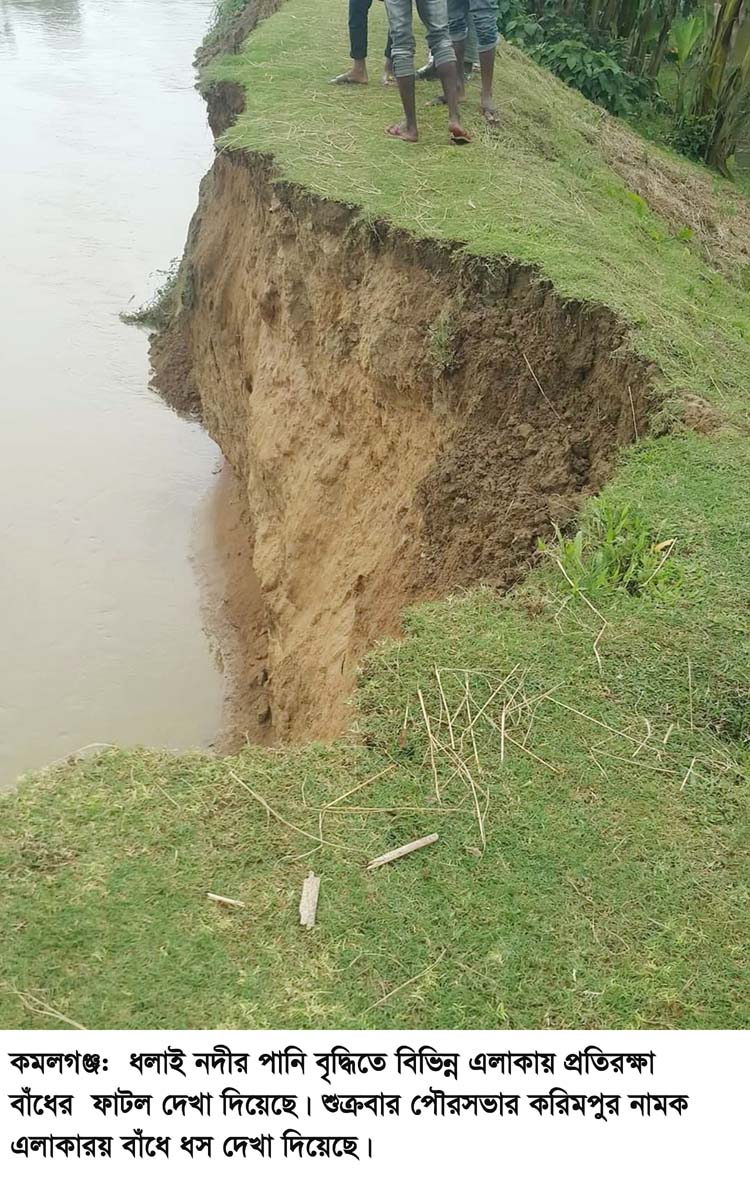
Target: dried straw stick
(533, 755)
(410, 981)
(491, 698)
(541, 389)
(591, 607)
(37, 1006)
(471, 725)
(662, 563)
(590, 719)
(517, 743)
(431, 740)
(632, 408)
(646, 738)
(355, 790)
(285, 822)
(465, 772)
(222, 901)
(687, 775)
(629, 760)
(404, 850)
(394, 810)
(445, 704)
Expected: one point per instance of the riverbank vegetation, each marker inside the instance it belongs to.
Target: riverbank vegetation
(688, 63)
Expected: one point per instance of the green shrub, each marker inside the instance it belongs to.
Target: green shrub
(615, 549)
(691, 135)
(594, 72)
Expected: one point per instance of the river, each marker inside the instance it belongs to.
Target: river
(103, 142)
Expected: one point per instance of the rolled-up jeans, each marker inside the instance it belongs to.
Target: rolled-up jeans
(358, 13)
(434, 16)
(484, 13)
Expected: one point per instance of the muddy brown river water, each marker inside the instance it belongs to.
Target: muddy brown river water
(102, 143)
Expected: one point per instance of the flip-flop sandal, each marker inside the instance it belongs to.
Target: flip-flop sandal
(347, 79)
(395, 131)
(459, 138)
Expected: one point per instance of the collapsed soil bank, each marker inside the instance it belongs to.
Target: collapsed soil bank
(404, 420)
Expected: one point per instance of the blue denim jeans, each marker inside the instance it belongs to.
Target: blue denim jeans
(484, 13)
(434, 16)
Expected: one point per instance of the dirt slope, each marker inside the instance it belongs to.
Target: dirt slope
(405, 421)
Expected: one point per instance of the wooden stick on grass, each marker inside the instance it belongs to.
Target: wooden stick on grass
(222, 901)
(404, 850)
(308, 903)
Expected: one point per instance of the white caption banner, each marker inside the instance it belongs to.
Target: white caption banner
(577, 1112)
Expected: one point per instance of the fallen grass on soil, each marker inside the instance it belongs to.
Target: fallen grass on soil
(583, 751)
(156, 312)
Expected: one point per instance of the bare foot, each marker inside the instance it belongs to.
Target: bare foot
(489, 112)
(388, 78)
(402, 131)
(458, 134)
(357, 74)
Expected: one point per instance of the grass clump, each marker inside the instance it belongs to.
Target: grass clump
(442, 339)
(615, 549)
(223, 16)
(156, 312)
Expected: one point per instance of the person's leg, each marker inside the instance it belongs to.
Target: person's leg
(485, 21)
(434, 14)
(471, 52)
(428, 70)
(358, 13)
(388, 60)
(400, 21)
(458, 27)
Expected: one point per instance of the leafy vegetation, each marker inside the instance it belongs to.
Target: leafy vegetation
(596, 65)
(615, 549)
(614, 51)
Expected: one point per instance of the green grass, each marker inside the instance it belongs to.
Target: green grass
(613, 889)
